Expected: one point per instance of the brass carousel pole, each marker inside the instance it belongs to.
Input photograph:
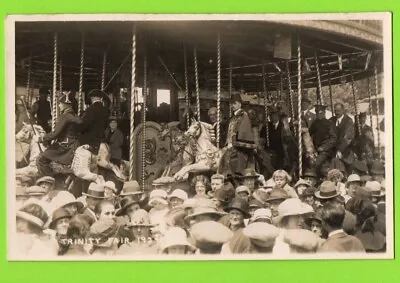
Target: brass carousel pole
(54, 114)
(132, 108)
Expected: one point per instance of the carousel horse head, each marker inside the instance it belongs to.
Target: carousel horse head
(26, 133)
(198, 129)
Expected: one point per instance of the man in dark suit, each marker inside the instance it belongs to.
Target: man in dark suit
(363, 143)
(338, 241)
(41, 110)
(308, 115)
(323, 136)
(94, 122)
(344, 128)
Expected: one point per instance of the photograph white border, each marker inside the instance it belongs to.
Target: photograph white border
(386, 18)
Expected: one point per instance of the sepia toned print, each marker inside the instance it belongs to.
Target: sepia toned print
(141, 137)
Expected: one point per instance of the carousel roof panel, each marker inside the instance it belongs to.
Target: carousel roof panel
(245, 45)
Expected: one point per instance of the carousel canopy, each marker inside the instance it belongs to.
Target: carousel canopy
(342, 48)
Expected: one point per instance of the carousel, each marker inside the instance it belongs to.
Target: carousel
(198, 65)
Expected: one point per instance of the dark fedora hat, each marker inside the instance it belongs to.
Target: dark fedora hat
(250, 173)
(241, 205)
(309, 173)
(320, 107)
(327, 190)
(360, 165)
(377, 168)
(126, 202)
(236, 97)
(277, 194)
(58, 214)
(224, 195)
(113, 118)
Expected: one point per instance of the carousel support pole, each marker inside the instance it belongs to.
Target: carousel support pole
(280, 92)
(230, 87)
(28, 84)
(377, 111)
(103, 73)
(330, 92)
(60, 91)
(132, 108)
(299, 94)
(320, 99)
(265, 105)
(80, 94)
(290, 91)
(196, 73)
(370, 108)
(186, 86)
(218, 88)
(144, 121)
(54, 102)
(355, 106)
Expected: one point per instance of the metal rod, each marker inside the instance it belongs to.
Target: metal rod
(299, 96)
(132, 108)
(196, 73)
(80, 94)
(54, 120)
(218, 88)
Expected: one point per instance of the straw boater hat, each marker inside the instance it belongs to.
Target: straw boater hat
(158, 195)
(33, 219)
(250, 173)
(65, 198)
(58, 214)
(178, 193)
(36, 191)
(261, 234)
(262, 214)
(375, 188)
(45, 179)
(140, 218)
(353, 178)
(110, 185)
(126, 202)
(327, 190)
(131, 188)
(210, 235)
(241, 205)
(290, 207)
(175, 236)
(301, 182)
(95, 191)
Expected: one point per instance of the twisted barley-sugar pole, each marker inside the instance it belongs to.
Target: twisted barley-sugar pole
(196, 74)
(355, 105)
(218, 88)
(321, 97)
(103, 72)
(377, 111)
(28, 83)
(60, 91)
(265, 105)
(132, 108)
(299, 93)
(290, 91)
(186, 86)
(370, 108)
(330, 92)
(144, 121)
(54, 114)
(80, 94)
(230, 88)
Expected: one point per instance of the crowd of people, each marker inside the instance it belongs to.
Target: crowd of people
(338, 205)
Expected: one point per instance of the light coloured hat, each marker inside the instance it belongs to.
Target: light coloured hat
(243, 189)
(217, 176)
(327, 190)
(353, 178)
(38, 222)
(95, 191)
(189, 203)
(262, 213)
(301, 182)
(46, 179)
(140, 218)
(210, 232)
(374, 187)
(208, 210)
(178, 193)
(131, 188)
(261, 234)
(64, 198)
(292, 206)
(158, 195)
(301, 238)
(269, 184)
(36, 191)
(110, 185)
(175, 236)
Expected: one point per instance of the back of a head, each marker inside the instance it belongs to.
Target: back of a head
(367, 216)
(333, 214)
(79, 226)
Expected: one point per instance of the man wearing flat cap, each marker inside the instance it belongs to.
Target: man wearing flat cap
(323, 136)
(65, 136)
(94, 122)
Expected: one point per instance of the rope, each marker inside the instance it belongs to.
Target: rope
(265, 105)
(103, 73)
(321, 97)
(186, 86)
(132, 108)
(144, 121)
(370, 107)
(80, 98)
(330, 92)
(299, 94)
(28, 83)
(218, 88)
(290, 91)
(196, 74)
(377, 111)
(230, 87)
(355, 105)
(54, 120)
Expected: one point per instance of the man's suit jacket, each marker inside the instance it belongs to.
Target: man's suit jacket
(344, 133)
(342, 242)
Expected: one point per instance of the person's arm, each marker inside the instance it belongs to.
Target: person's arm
(330, 140)
(348, 137)
(57, 131)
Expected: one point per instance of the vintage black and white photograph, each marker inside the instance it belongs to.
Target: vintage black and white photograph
(196, 137)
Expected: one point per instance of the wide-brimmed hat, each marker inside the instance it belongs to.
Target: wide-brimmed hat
(103, 229)
(140, 218)
(110, 185)
(256, 203)
(262, 214)
(95, 191)
(45, 179)
(34, 219)
(201, 210)
(158, 195)
(261, 234)
(377, 168)
(353, 178)
(241, 205)
(175, 236)
(277, 194)
(241, 189)
(320, 107)
(224, 195)
(207, 234)
(360, 165)
(58, 214)
(375, 188)
(249, 173)
(126, 202)
(301, 182)
(218, 176)
(301, 238)
(36, 191)
(292, 206)
(64, 198)
(261, 195)
(309, 173)
(327, 190)
(131, 188)
(314, 216)
(178, 193)
(113, 118)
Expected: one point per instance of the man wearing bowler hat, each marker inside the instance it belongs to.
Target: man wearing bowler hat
(240, 139)
(64, 136)
(324, 137)
(94, 122)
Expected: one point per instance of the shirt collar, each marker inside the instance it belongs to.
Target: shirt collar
(340, 119)
(335, 232)
(237, 112)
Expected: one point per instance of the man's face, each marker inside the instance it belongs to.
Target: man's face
(216, 184)
(46, 185)
(274, 206)
(280, 181)
(236, 106)
(62, 226)
(175, 202)
(200, 188)
(243, 195)
(250, 183)
(213, 116)
(92, 202)
(309, 200)
(363, 120)
(274, 117)
(108, 193)
(72, 209)
(295, 222)
(113, 125)
(338, 110)
(107, 212)
(353, 186)
(311, 180)
(320, 115)
(236, 217)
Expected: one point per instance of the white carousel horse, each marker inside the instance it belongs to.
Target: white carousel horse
(83, 163)
(207, 155)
